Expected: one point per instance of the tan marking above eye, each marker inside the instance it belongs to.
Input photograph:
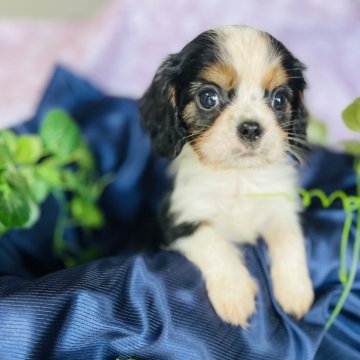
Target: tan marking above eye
(189, 113)
(172, 95)
(274, 77)
(221, 74)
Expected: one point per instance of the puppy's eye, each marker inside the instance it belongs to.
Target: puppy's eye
(208, 99)
(278, 100)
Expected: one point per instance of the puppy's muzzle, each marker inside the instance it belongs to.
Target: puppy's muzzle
(249, 131)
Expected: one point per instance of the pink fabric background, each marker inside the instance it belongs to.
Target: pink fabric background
(120, 48)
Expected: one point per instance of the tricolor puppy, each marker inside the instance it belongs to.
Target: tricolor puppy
(228, 108)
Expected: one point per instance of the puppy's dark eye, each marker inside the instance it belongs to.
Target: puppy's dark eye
(208, 99)
(278, 100)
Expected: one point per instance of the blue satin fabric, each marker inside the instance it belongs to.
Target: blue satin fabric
(153, 305)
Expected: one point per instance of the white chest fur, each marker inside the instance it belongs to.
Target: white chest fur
(238, 203)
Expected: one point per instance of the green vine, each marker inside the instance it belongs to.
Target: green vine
(57, 161)
(350, 204)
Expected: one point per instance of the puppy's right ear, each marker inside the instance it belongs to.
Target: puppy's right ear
(158, 109)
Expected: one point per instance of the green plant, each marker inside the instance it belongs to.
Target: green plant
(57, 161)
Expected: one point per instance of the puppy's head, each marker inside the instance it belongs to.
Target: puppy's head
(234, 94)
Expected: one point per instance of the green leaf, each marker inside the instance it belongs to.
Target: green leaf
(317, 132)
(16, 180)
(4, 156)
(14, 208)
(59, 133)
(9, 138)
(96, 188)
(84, 157)
(51, 176)
(8, 141)
(351, 115)
(39, 189)
(352, 147)
(29, 149)
(86, 213)
(34, 214)
(3, 228)
(71, 180)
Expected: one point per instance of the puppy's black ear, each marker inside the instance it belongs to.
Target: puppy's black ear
(300, 85)
(300, 125)
(158, 109)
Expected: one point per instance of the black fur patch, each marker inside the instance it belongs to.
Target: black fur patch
(163, 102)
(170, 231)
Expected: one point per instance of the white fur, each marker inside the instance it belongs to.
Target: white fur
(224, 197)
(223, 201)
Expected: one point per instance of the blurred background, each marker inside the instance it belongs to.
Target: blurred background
(67, 9)
(118, 44)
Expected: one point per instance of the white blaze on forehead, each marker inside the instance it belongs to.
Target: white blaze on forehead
(249, 51)
(257, 65)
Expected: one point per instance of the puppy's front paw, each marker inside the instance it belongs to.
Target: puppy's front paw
(293, 290)
(233, 298)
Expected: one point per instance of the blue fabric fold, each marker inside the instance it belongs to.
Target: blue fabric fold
(153, 304)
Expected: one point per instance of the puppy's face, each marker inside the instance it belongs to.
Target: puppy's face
(234, 94)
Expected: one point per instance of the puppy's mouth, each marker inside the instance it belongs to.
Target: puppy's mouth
(247, 149)
(248, 153)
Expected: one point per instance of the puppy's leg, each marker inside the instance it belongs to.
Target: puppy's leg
(229, 285)
(290, 277)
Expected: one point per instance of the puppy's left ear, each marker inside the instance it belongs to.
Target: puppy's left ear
(158, 109)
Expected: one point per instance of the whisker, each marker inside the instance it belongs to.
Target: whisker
(301, 142)
(288, 123)
(203, 125)
(294, 77)
(289, 130)
(296, 154)
(295, 133)
(299, 136)
(295, 136)
(293, 120)
(295, 68)
(188, 136)
(301, 152)
(302, 146)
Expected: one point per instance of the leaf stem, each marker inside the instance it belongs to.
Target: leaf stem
(351, 278)
(343, 273)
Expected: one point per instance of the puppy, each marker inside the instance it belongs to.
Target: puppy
(228, 108)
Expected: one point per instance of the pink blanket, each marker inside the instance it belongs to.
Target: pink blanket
(120, 48)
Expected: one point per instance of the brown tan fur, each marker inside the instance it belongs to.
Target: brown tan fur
(221, 74)
(275, 76)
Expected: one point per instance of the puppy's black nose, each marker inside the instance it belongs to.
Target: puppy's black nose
(249, 131)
